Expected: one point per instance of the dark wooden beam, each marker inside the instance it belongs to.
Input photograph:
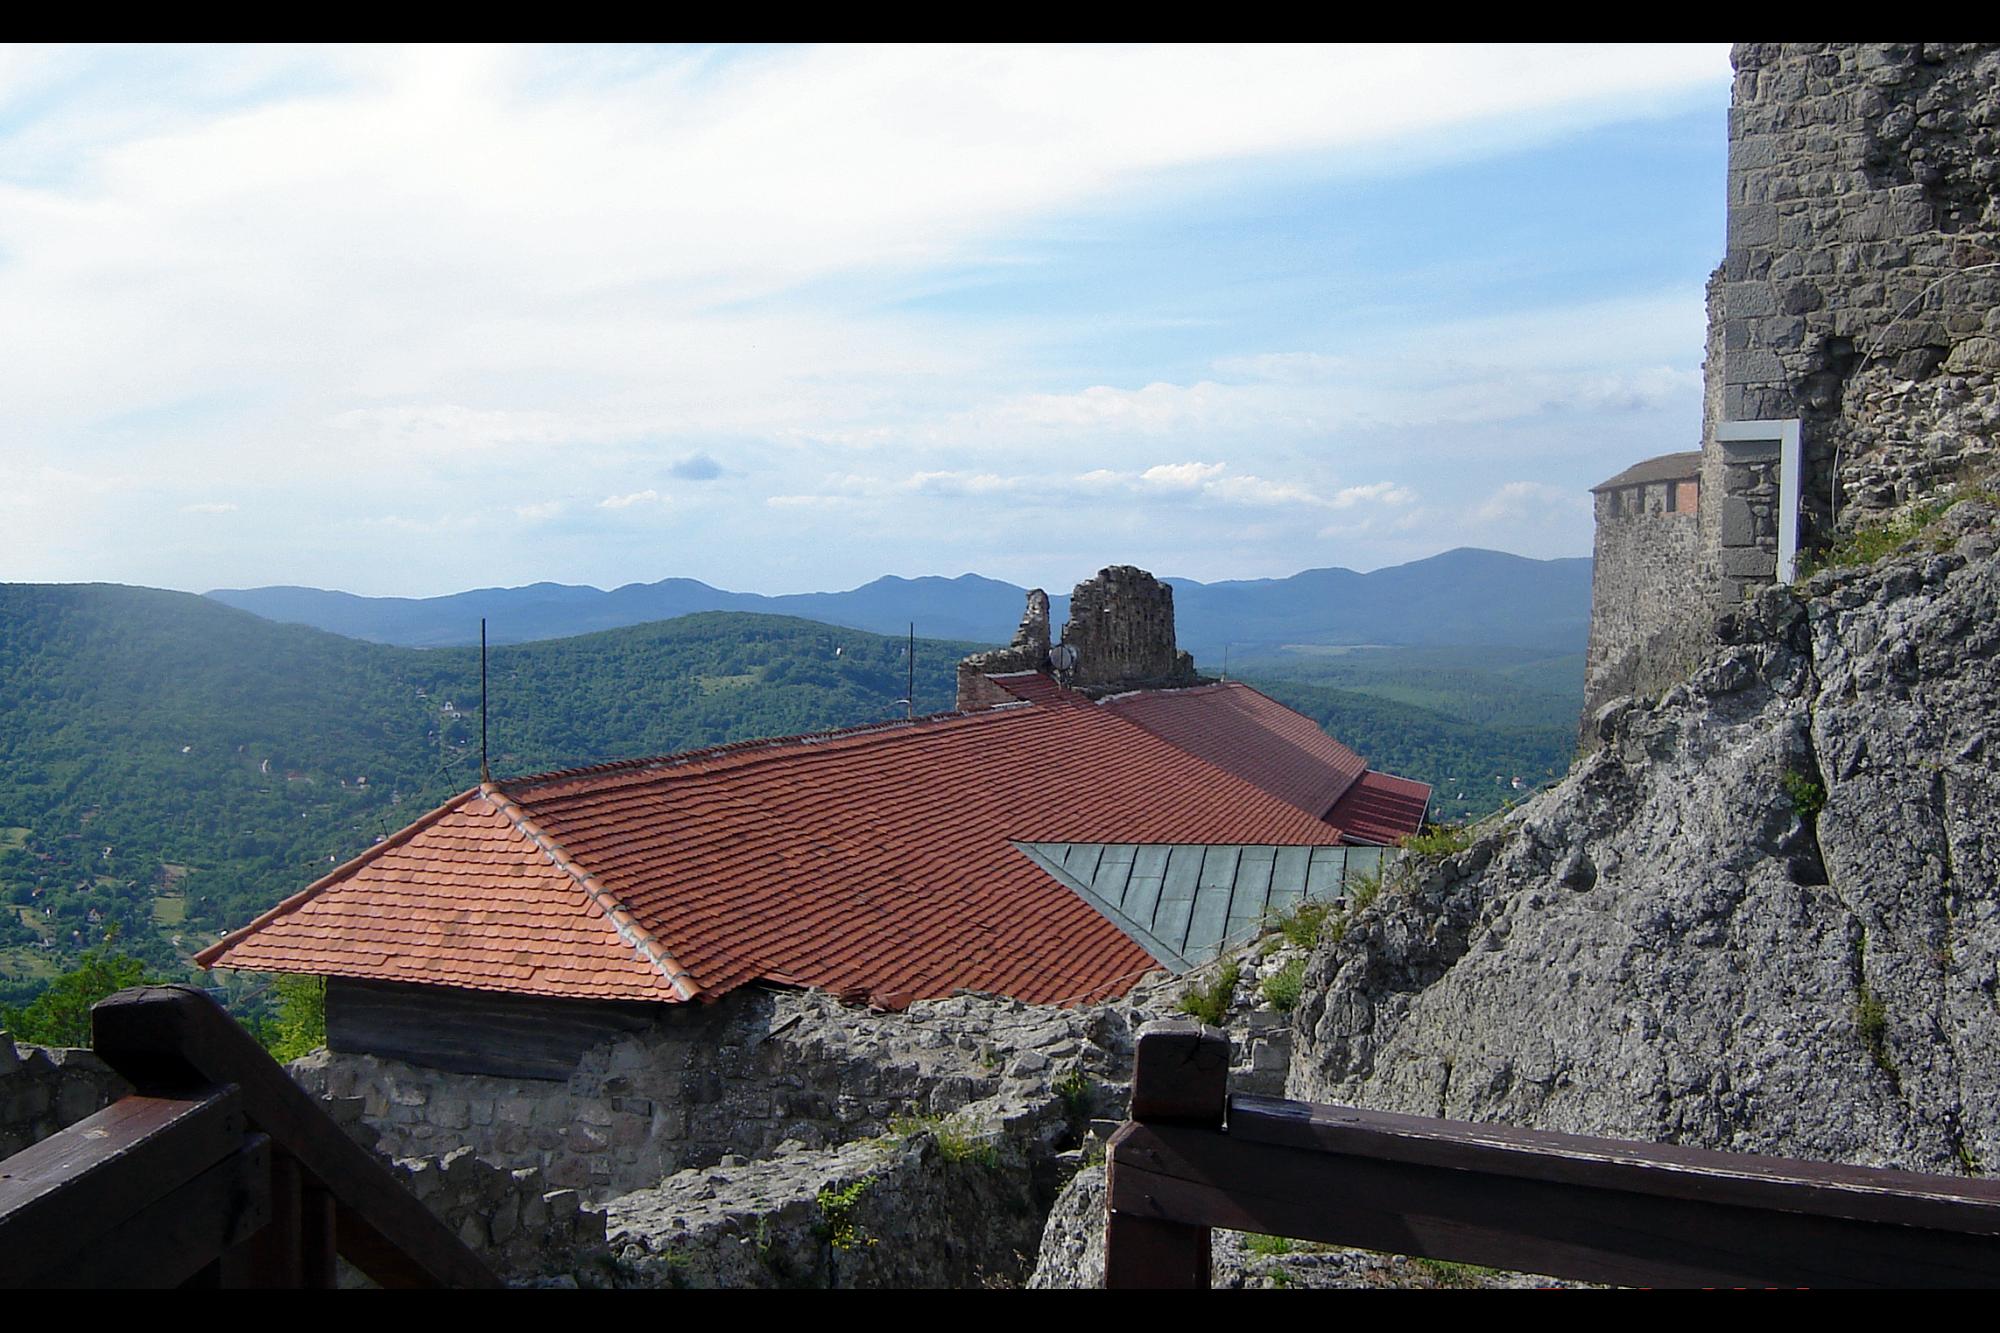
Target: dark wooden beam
(176, 1235)
(94, 1176)
(1180, 1078)
(1631, 1222)
(171, 1036)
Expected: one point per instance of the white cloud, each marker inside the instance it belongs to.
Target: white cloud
(1181, 476)
(210, 507)
(351, 276)
(1519, 500)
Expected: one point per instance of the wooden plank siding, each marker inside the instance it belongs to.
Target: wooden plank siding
(473, 1032)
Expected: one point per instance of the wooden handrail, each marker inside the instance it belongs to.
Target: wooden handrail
(219, 1170)
(1565, 1205)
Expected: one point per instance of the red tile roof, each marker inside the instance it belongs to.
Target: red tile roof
(1380, 808)
(463, 897)
(1252, 735)
(874, 861)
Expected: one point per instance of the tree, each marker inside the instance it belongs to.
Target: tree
(300, 1028)
(60, 1015)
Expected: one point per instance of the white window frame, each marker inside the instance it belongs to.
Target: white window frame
(1787, 435)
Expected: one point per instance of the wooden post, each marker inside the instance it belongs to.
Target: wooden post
(1180, 1077)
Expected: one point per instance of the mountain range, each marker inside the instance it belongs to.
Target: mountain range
(1464, 596)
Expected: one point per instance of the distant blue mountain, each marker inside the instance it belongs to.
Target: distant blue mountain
(1464, 596)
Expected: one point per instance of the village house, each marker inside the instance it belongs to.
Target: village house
(1093, 811)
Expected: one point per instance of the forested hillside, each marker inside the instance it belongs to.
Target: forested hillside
(169, 766)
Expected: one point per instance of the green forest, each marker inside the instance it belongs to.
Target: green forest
(170, 767)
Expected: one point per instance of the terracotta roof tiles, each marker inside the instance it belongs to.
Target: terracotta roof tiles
(878, 860)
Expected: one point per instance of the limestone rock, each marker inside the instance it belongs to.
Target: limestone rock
(1791, 940)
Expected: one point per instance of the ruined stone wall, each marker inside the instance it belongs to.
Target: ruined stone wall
(1121, 626)
(1641, 584)
(1028, 652)
(736, 1079)
(1864, 205)
(47, 1088)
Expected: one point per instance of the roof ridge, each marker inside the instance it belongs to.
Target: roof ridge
(644, 941)
(339, 872)
(680, 757)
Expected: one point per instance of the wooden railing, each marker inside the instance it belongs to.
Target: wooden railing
(217, 1171)
(1598, 1210)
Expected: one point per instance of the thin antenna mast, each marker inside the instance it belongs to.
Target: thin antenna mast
(485, 775)
(910, 697)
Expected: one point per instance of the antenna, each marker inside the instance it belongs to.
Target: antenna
(1225, 663)
(911, 698)
(485, 775)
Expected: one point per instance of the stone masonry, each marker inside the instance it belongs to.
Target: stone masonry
(1121, 627)
(1648, 540)
(1863, 216)
(1859, 294)
(1028, 652)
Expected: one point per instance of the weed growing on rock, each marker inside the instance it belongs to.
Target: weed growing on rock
(1211, 1003)
(1438, 840)
(1074, 1089)
(955, 1142)
(1871, 1020)
(1365, 888)
(1870, 542)
(1305, 925)
(1283, 987)
(1808, 797)
(1267, 1245)
(1446, 1273)
(836, 1216)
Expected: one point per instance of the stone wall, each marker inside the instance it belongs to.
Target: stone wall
(1121, 627)
(735, 1079)
(1642, 584)
(1028, 652)
(47, 1088)
(1864, 192)
(1859, 294)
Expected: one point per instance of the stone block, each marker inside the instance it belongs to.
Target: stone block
(1749, 563)
(1754, 224)
(1739, 523)
(1749, 299)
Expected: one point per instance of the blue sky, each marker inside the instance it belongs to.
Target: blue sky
(407, 321)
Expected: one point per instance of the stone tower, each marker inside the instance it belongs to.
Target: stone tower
(1120, 636)
(1853, 355)
(1121, 628)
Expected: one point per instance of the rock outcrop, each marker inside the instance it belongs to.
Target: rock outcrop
(1764, 916)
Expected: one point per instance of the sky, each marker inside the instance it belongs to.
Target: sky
(406, 321)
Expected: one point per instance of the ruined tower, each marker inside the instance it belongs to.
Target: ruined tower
(1119, 636)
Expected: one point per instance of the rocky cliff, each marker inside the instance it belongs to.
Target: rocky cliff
(1764, 916)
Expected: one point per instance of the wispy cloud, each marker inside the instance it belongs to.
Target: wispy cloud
(481, 273)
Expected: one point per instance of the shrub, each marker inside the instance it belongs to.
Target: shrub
(1438, 840)
(836, 1215)
(1210, 1004)
(60, 1015)
(300, 1028)
(1283, 987)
